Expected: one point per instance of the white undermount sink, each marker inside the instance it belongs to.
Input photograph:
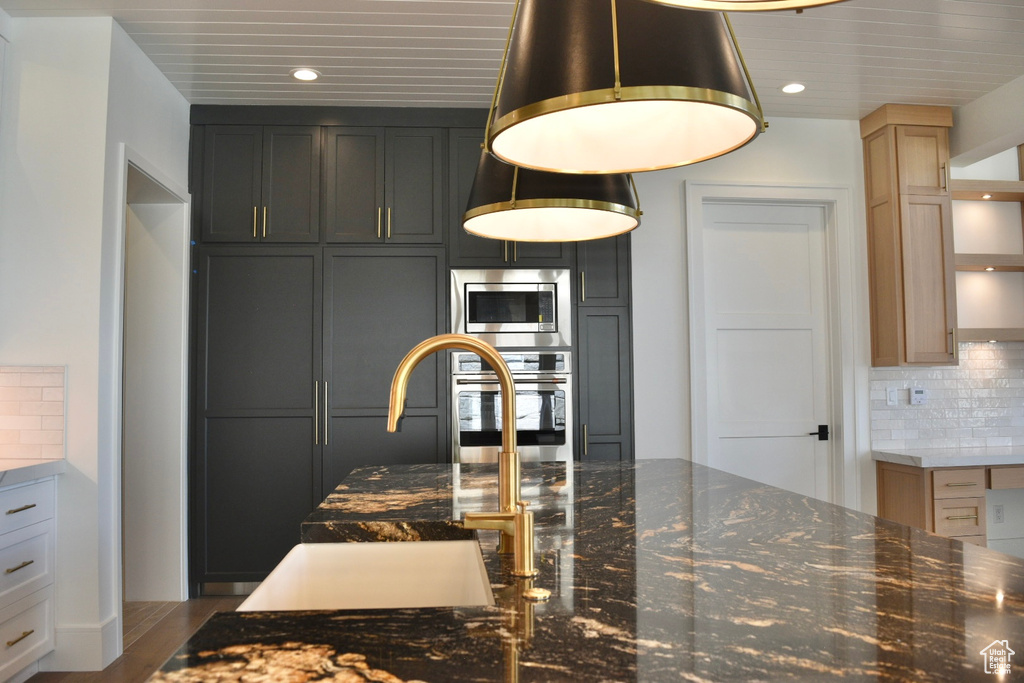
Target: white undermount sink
(319, 576)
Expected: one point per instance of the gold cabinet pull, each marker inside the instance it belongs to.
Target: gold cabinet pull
(583, 286)
(515, 251)
(955, 517)
(962, 483)
(945, 177)
(316, 412)
(23, 636)
(327, 416)
(264, 222)
(254, 222)
(20, 566)
(505, 257)
(21, 509)
(378, 222)
(586, 440)
(389, 222)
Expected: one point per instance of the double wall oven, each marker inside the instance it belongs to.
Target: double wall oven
(526, 314)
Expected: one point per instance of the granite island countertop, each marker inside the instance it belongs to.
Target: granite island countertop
(659, 570)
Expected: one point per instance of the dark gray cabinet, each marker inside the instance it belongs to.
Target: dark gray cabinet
(467, 250)
(296, 348)
(379, 302)
(604, 369)
(261, 184)
(384, 185)
(603, 272)
(256, 473)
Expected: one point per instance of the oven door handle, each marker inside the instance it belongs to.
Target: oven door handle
(495, 383)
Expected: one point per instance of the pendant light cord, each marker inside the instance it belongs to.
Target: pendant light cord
(746, 72)
(615, 50)
(501, 79)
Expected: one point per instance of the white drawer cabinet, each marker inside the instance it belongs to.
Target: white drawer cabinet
(26, 574)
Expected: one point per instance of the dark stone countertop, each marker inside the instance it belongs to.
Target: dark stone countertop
(660, 570)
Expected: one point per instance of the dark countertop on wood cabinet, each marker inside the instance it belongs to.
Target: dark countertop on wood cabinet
(660, 570)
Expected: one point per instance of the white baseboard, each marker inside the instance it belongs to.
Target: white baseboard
(84, 647)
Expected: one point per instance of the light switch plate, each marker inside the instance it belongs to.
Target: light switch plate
(892, 396)
(918, 396)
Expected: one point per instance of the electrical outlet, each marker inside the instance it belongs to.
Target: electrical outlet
(997, 514)
(892, 396)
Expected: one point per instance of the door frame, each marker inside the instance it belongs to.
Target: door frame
(840, 276)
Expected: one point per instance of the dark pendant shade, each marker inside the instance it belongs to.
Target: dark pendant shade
(620, 86)
(537, 206)
(747, 5)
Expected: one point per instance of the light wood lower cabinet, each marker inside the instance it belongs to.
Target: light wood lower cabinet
(946, 501)
(26, 574)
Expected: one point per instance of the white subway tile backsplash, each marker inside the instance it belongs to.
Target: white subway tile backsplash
(978, 403)
(32, 412)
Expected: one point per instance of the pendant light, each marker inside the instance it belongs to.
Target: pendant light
(747, 5)
(523, 205)
(619, 86)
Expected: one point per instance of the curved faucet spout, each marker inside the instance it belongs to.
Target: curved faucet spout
(516, 526)
(466, 343)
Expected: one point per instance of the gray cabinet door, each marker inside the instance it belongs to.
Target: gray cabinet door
(256, 467)
(603, 272)
(414, 185)
(605, 379)
(232, 177)
(291, 184)
(378, 304)
(354, 184)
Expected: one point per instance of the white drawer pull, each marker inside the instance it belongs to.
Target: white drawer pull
(20, 566)
(962, 517)
(23, 636)
(21, 509)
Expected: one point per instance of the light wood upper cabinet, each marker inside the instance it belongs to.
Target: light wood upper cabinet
(910, 236)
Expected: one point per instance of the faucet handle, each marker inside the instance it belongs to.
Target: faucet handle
(522, 505)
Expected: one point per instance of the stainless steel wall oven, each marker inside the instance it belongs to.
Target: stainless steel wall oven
(544, 413)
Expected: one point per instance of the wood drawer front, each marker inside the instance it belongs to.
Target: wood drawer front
(26, 632)
(26, 561)
(25, 505)
(959, 482)
(1010, 477)
(960, 516)
(976, 540)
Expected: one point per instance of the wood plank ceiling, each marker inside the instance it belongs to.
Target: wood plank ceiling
(852, 57)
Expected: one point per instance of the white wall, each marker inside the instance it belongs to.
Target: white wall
(806, 152)
(75, 91)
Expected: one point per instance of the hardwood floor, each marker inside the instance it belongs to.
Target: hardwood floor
(149, 650)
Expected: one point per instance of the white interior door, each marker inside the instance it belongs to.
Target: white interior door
(765, 342)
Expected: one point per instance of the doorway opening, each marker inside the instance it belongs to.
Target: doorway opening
(153, 400)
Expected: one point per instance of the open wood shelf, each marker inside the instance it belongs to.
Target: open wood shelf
(984, 334)
(1000, 262)
(1001, 190)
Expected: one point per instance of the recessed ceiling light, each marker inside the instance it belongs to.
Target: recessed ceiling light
(986, 196)
(793, 88)
(990, 269)
(305, 74)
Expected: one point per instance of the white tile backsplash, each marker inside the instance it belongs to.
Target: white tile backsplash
(978, 403)
(31, 412)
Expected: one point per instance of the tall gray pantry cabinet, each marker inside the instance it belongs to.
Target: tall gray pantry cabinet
(295, 343)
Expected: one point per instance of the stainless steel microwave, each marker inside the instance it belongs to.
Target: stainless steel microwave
(513, 306)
